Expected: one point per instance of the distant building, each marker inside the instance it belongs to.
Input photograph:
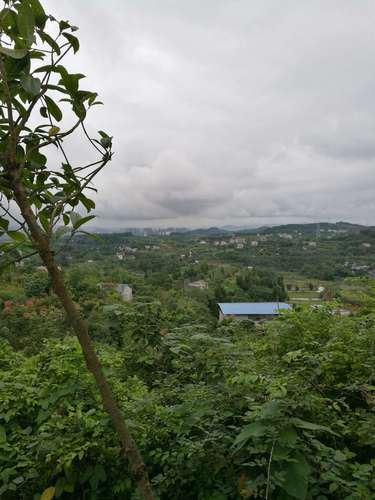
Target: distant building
(366, 245)
(357, 267)
(125, 292)
(343, 312)
(312, 243)
(240, 246)
(42, 269)
(237, 241)
(285, 236)
(201, 284)
(254, 243)
(251, 310)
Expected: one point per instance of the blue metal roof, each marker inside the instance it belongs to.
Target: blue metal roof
(253, 308)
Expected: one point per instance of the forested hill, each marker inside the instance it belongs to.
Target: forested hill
(317, 228)
(304, 229)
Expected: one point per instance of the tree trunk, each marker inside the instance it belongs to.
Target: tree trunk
(79, 325)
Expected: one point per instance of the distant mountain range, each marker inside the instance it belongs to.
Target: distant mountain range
(315, 228)
(308, 229)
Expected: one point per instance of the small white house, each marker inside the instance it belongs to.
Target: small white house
(125, 292)
(201, 284)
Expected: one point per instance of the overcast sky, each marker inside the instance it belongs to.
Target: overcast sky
(231, 111)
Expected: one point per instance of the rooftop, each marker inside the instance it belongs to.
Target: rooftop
(254, 308)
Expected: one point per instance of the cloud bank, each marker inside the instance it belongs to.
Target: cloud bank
(231, 111)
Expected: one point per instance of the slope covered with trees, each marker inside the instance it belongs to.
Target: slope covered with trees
(222, 412)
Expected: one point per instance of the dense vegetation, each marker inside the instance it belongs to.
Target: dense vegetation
(229, 410)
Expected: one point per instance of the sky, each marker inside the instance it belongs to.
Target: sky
(230, 111)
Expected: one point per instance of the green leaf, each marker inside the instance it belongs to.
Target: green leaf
(44, 220)
(106, 142)
(74, 217)
(39, 14)
(48, 494)
(73, 40)
(53, 131)
(17, 236)
(47, 68)
(93, 236)
(82, 221)
(8, 21)
(37, 54)
(98, 476)
(31, 85)
(4, 223)
(37, 160)
(43, 112)
(26, 22)
(303, 424)
(3, 436)
(80, 110)
(256, 429)
(297, 478)
(69, 81)
(288, 436)
(86, 202)
(7, 246)
(13, 53)
(64, 25)
(333, 487)
(271, 409)
(53, 108)
(60, 486)
(51, 42)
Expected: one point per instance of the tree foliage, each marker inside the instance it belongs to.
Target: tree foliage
(38, 199)
(223, 412)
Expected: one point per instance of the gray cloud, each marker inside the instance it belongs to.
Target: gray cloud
(231, 111)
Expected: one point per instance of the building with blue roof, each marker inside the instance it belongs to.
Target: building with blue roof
(251, 310)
